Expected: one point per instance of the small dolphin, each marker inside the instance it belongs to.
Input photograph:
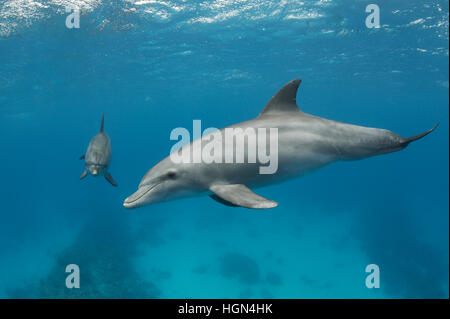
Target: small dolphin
(98, 156)
(305, 143)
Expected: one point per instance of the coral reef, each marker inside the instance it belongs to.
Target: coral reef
(104, 251)
(241, 267)
(409, 266)
(273, 279)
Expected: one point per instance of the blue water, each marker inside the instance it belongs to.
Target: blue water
(151, 66)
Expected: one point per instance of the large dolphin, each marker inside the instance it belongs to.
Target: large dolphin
(98, 156)
(305, 143)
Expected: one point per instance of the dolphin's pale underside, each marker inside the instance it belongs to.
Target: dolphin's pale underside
(305, 143)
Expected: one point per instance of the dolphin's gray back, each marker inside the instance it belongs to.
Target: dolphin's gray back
(99, 150)
(305, 143)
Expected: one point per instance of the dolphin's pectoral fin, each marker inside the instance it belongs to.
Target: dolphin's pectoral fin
(222, 201)
(82, 156)
(110, 179)
(84, 174)
(284, 101)
(241, 196)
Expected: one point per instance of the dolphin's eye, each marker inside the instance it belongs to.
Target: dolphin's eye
(171, 174)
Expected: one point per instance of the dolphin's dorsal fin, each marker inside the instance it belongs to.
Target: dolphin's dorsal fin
(284, 101)
(240, 195)
(103, 122)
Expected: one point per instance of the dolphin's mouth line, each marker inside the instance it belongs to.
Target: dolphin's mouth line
(141, 195)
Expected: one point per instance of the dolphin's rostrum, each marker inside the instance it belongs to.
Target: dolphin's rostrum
(98, 156)
(305, 143)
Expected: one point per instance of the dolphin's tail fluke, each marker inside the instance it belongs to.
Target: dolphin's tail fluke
(103, 121)
(419, 136)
